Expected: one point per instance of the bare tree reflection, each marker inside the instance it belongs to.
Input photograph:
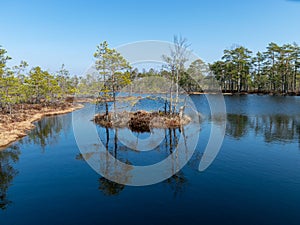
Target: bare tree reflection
(177, 183)
(109, 166)
(113, 171)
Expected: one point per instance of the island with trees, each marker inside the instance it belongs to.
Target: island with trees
(28, 94)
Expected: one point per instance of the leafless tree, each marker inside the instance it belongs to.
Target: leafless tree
(175, 62)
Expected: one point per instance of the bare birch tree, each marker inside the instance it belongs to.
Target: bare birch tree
(175, 62)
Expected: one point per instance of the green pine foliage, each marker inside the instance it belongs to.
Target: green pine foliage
(275, 70)
(18, 86)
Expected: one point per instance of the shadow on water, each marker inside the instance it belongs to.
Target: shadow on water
(8, 157)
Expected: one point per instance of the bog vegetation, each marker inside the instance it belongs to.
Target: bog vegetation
(18, 85)
(274, 70)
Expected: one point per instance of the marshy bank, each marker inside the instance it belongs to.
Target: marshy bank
(16, 124)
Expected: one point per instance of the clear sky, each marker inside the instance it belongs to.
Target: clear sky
(49, 33)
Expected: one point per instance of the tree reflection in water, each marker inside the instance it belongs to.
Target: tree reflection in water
(110, 188)
(48, 130)
(236, 125)
(8, 157)
(279, 128)
(109, 138)
(177, 183)
(273, 128)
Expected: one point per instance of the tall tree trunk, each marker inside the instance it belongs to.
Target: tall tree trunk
(114, 90)
(171, 97)
(177, 90)
(105, 96)
(294, 77)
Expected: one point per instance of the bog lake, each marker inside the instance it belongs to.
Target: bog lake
(255, 178)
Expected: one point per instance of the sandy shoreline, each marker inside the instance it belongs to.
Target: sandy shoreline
(11, 132)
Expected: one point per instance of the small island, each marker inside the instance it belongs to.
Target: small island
(142, 121)
(27, 95)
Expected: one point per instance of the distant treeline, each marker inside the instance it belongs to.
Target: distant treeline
(275, 70)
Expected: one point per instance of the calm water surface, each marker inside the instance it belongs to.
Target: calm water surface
(255, 178)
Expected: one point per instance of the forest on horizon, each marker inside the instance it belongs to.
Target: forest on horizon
(274, 70)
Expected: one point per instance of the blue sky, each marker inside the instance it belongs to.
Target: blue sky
(49, 33)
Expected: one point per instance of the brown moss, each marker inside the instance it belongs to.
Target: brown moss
(15, 125)
(103, 120)
(141, 121)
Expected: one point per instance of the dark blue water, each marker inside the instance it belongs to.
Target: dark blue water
(255, 178)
